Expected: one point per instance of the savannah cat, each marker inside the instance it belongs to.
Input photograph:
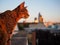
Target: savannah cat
(8, 20)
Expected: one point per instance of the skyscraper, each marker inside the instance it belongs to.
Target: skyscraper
(40, 19)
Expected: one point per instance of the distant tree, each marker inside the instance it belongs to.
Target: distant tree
(26, 25)
(20, 27)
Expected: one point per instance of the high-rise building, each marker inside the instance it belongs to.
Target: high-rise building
(40, 19)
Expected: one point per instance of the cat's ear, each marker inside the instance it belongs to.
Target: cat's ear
(22, 5)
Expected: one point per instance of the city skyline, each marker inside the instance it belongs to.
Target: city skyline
(49, 9)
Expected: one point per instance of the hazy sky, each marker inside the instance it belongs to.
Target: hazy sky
(49, 9)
